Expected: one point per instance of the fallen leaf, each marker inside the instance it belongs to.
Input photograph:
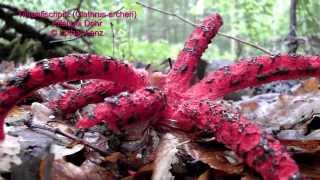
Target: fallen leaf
(309, 85)
(249, 106)
(275, 111)
(214, 158)
(305, 146)
(144, 172)
(41, 113)
(62, 151)
(205, 175)
(114, 157)
(308, 164)
(62, 170)
(18, 114)
(166, 156)
(9, 153)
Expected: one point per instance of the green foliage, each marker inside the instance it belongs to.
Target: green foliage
(136, 50)
(153, 36)
(308, 16)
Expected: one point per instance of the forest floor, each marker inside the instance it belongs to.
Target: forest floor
(40, 146)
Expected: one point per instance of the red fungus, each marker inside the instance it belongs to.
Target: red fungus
(255, 71)
(71, 67)
(173, 103)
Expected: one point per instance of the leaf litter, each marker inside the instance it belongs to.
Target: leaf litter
(293, 117)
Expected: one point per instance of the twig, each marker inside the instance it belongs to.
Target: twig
(246, 42)
(169, 61)
(78, 9)
(194, 24)
(168, 13)
(112, 31)
(72, 39)
(68, 86)
(70, 136)
(148, 66)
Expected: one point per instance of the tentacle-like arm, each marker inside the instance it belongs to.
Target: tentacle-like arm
(72, 67)
(126, 108)
(92, 92)
(254, 72)
(181, 74)
(258, 149)
(96, 90)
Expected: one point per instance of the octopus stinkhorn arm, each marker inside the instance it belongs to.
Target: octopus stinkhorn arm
(258, 149)
(93, 92)
(254, 72)
(117, 111)
(181, 74)
(96, 90)
(72, 67)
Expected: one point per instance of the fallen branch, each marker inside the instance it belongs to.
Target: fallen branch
(67, 135)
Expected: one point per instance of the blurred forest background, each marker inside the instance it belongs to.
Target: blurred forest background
(276, 25)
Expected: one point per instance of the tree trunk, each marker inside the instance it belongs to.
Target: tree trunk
(292, 36)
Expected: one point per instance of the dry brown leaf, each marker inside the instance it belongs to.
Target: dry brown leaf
(62, 151)
(147, 167)
(214, 158)
(309, 85)
(41, 113)
(205, 175)
(15, 111)
(313, 135)
(275, 112)
(249, 106)
(62, 170)
(114, 157)
(165, 157)
(305, 146)
(18, 113)
(143, 173)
